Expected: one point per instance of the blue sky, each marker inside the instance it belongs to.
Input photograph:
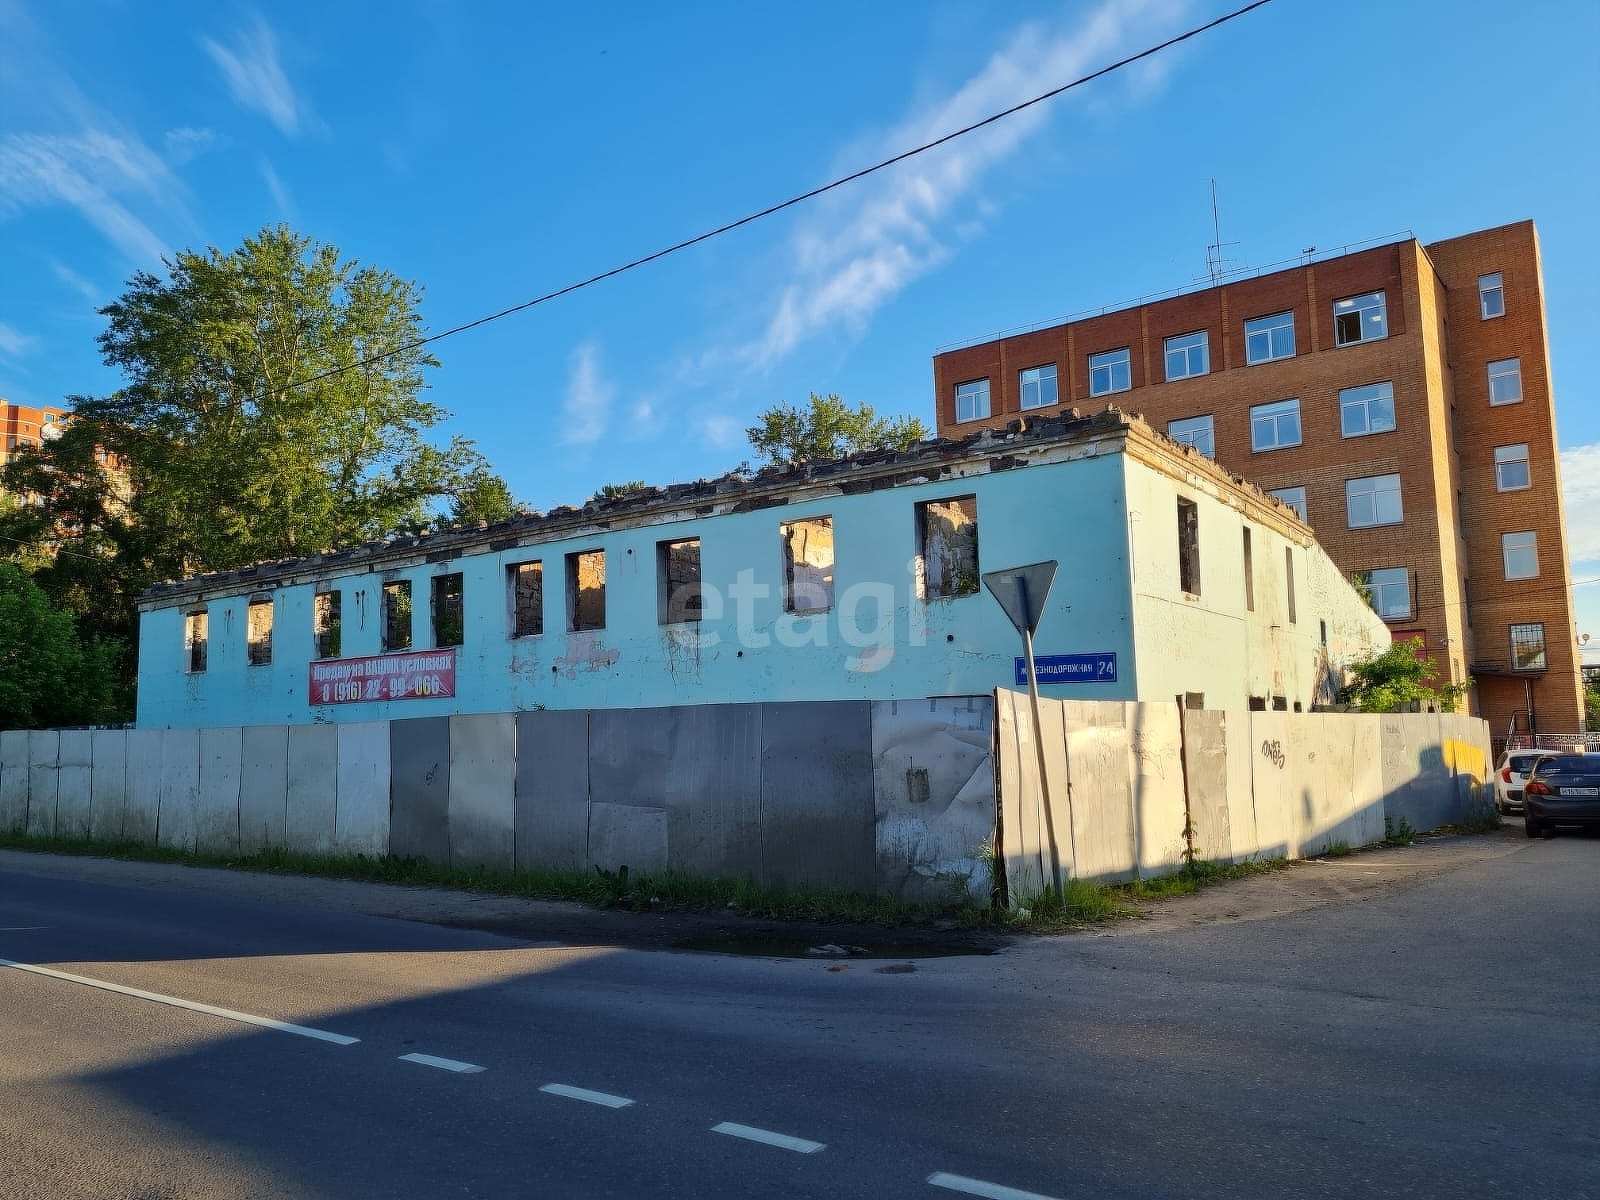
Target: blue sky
(495, 152)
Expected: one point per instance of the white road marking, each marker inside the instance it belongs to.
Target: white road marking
(227, 1014)
(765, 1136)
(604, 1099)
(979, 1187)
(444, 1064)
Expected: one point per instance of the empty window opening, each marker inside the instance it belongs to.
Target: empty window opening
(449, 617)
(525, 582)
(1258, 704)
(1038, 386)
(196, 626)
(1249, 575)
(586, 590)
(947, 533)
(326, 625)
(1491, 296)
(1360, 319)
(1189, 546)
(808, 565)
(397, 615)
(1194, 701)
(1288, 574)
(1280, 704)
(1527, 648)
(1323, 629)
(258, 635)
(679, 588)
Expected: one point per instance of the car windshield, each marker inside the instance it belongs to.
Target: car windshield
(1570, 767)
(1523, 763)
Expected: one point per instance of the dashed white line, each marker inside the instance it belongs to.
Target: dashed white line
(980, 1187)
(444, 1064)
(765, 1136)
(211, 1010)
(604, 1099)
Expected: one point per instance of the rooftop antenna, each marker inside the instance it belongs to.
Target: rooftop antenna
(1214, 258)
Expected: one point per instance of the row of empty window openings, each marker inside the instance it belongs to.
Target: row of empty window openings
(1189, 560)
(947, 540)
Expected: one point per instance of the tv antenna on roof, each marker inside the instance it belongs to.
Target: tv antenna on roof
(1214, 259)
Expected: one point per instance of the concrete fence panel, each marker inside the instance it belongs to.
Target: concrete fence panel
(177, 821)
(552, 790)
(1158, 803)
(419, 788)
(1056, 833)
(1244, 840)
(483, 791)
(44, 747)
(217, 813)
(1271, 740)
(14, 780)
(628, 835)
(263, 788)
(361, 808)
(943, 749)
(1099, 759)
(1419, 785)
(141, 801)
(818, 823)
(1205, 745)
(74, 783)
(1028, 868)
(312, 791)
(108, 784)
(1010, 770)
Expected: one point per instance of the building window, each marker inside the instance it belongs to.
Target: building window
(807, 565)
(1198, 432)
(586, 591)
(1527, 648)
(1367, 409)
(1360, 319)
(947, 533)
(1388, 591)
(525, 582)
(1188, 546)
(1372, 501)
(449, 619)
(195, 633)
(326, 626)
(1505, 381)
(397, 615)
(1109, 372)
(1521, 554)
(972, 400)
(1511, 468)
(258, 633)
(679, 590)
(1275, 426)
(1288, 576)
(1249, 575)
(1295, 498)
(1267, 339)
(1038, 386)
(1491, 296)
(1188, 355)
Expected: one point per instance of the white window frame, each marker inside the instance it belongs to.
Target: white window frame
(1373, 490)
(1491, 296)
(1269, 327)
(1188, 431)
(1524, 541)
(1271, 416)
(969, 391)
(1512, 456)
(1374, 314)
(1037, 384)
(1384, 583)
(1183, 346)
(1295, 498)
(1505, 368)
(1104, 365)
(1362, 399)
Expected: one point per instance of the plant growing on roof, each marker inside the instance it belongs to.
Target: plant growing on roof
(827, 428)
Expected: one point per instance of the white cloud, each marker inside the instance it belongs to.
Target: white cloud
(280, 194)
(14, 343)
(869, 240)
(721, 432)
(85, 171)
(76, 282)
(256, 78)
(1580, 485)
(186, 144)
(587, 407)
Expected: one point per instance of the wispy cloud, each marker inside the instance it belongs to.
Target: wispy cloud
(185, 144)
(586, 410)
(75, 281)
(719, 431)
(14, 343)
(280, 194)
(86, 171)
(1580, 486)
(867, 242)
(256, 77)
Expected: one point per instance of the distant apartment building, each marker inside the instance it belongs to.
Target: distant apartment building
(22, 426)
(1397, 397)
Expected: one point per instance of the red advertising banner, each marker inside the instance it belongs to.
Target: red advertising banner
(422, 675)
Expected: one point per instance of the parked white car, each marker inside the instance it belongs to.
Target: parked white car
(1510, 775)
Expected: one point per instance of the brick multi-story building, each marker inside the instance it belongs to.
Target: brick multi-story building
(1399, 397)
(22, 426)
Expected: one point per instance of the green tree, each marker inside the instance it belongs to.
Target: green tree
(1392, 680)
(827, 428)
(1591, 701)
(616, 491)
(48, 676)
(482, 496)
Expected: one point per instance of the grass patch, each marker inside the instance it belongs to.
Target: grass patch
(1338, 850)
(1194, 875)
(1398, 835)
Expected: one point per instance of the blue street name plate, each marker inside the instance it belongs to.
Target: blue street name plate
(1070, 668)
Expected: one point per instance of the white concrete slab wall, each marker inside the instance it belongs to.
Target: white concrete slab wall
(217, 805)
(14, 780)
(312, 789)
(73, 777)
(141, 801)
(361, 808)
(44, 745)
(108, 783)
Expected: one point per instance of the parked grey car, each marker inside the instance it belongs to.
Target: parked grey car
(1563, 792)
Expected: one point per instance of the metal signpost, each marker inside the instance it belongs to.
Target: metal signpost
(1022, 591)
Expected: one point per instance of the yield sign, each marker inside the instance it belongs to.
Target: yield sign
(1022, 591)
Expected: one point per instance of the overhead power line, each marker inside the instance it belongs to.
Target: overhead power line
(773, 209)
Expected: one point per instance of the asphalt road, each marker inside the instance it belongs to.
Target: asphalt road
(1435, 1040)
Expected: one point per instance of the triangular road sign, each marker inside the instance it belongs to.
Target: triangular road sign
(1022, 591)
